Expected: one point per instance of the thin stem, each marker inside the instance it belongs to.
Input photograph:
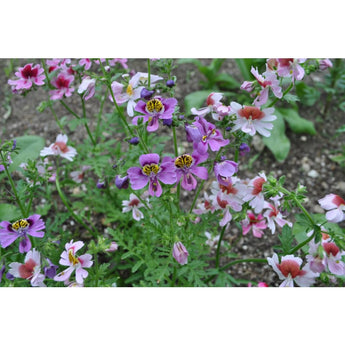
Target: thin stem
(85, 122)
(100, 115)
(176, 154)
(149, 73)
(302, 244)
(69, 109)
(31, 197)
(277, 99)
(218, 246)
(13, 187)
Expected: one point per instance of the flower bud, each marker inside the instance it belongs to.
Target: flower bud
(146, 94)
(167, 122)
(134, 141)
(180, 253)
(247, 86)
(14, 145)
(228, 129)
(170, 83)
(324, 64)
(100, 184)
(244, 149)
(50, 271)
(122, 182)
(113, 247)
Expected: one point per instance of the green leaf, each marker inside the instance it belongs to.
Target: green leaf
(137, 266)
(227, 82)
(9, 212)
(29, 148)
(308, 95)
(286, 239)
(196, 99)
(278, 142)
(196, 62)
(297, 123)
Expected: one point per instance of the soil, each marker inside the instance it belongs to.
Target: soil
(308, 162)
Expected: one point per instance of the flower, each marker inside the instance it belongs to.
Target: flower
(2, 271)
(186, 167)
(85, 62)
(267, 80)
(247, 86)
(87, 88)
(30, 270)
(50, 270)
(21, 228)
(251, 119)
(289, 271)
(154, 109)
(170, 83)
(211, 101)
(133, 90)
(59, 148)
(122, 182)
(101, 184)
(133, 204)
(260, 284)
(335, 205)
(78, 175)
(224, 170)
(244, 149)
(254, 192)
(180, 253)
(134, 141)
(209, 136)
(290, 68)
(212, 241)
(256, 224)
(28, 76)
(324, 64)
(77, 264)
(151, 173)
(62, 83)
(146, 94)
(113, 247)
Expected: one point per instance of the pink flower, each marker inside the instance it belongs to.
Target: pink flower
(289, 271)
(151, 172)
(290, 68)
(335, 206)
(85, 62)
(212, 100)
(324, 64)
(133, 205)
(256, 224)
(180, 253)
(224, 170)
(113, 247)
(267, 80)
(30, 270)
(212, 241)
(260, 284)
(62, 83)
(28, 76)
(254, 192)
(78, 176)
(77, 264)
(251, 119)
(59, 148)
(87, 88)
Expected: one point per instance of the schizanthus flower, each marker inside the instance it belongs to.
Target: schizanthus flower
(87, 88)
(180, 253)
(21, 228)
(28, 75)
(30, 270)
(77, 264)
(335, 205)
(151, 172)
(63, 86)
(59, 148)
(133, 204)
(212, 101)
(254, 223)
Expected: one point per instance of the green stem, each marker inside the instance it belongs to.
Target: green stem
(218, 246)
(69, 109)
(13, 187)
(85, 122)
(277, 99)
(73, 214)
(31, 197)
(100, 115)
(149, 73)
(178, 192)
(302, 244)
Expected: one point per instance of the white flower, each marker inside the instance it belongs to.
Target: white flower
(133, 204)
(59, 148)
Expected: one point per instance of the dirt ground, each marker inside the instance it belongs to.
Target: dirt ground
(308, 162)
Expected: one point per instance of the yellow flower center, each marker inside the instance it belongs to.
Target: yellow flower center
(130, 90)
(72, 259)
(154, 106)
(183, 161)
(150, 168)
(20, 224)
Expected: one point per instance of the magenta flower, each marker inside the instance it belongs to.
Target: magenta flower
(289, 271)
(256, 224)
(30, 270)
(77, 264)
(154, 109)
(290, 68)
(151, 172)
(62, 83)
(252, 119)
(224, 170)
(180, 253)
(324, 64)
(209, 136)
(267, 80)
(28, 76)
(335, 205)
(186, 167)
(85, 62)
(21, 228)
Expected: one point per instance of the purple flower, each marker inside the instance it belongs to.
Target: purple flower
(154, 109)
(186, 166)
(100, 184)
(21, 229)
(170, 83)
(210, 136)
(2, 271)
(134, 141)
(146, 94)
(121, 182)
(180, 253)
(224, 170)
(87, 88)
(244, 149)
(152, 173)
(50, 270)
